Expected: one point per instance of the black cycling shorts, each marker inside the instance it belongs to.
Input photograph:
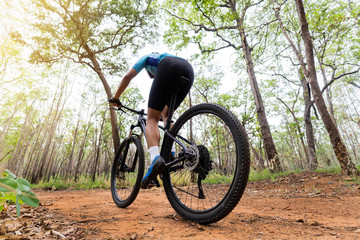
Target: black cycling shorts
(168, 71)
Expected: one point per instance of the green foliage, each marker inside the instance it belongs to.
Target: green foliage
(265, 175)
(84, 183)
(357, 178)
(329, 170)
(84, 30)
(17, 191)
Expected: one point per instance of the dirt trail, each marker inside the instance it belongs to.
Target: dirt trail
(300, 206)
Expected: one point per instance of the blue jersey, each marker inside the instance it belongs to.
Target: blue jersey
(150, 62)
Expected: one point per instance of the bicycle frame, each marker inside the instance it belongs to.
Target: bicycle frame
(141, 123)
(197, 187)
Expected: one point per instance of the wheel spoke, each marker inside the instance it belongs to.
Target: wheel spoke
(217, 168)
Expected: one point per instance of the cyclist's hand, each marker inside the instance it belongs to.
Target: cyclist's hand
(115, 102)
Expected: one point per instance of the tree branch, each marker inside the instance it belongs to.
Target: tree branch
(354, 84)
(296, 51)
(215, 29)
(201, 26)
(338, 77)
(287, 79)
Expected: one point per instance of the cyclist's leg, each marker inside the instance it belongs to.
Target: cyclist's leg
(152, 131)
(169, 70)
(165, 116)
(153, 139)
(159, 95)
(157, 99)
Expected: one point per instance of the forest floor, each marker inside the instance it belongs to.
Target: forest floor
(299, 206)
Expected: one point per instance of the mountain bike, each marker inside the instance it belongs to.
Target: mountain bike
(206, 177)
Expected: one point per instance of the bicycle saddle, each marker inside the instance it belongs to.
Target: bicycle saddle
(182, 82)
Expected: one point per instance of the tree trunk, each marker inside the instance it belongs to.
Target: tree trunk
(71, 157)
(80, 154)
(6, 126)
(52, 122)
(298, 127)
(18, 160)
(50, 163)
(259, 161)
(114, 124)
(97, 154)
(347, 166)
(51, 170)
(37, 141)
(260, 109)
(313, 163)
(269, 145)
(306, 94)
(293, 145)
(327, 91)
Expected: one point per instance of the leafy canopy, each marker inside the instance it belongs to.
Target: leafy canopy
(81, 30)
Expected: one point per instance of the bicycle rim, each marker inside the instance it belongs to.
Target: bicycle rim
(206, 190)
(127, 172)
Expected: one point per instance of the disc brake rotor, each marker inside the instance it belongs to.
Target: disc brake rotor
(191, 163)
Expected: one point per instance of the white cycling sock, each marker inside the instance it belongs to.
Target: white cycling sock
(154, 151)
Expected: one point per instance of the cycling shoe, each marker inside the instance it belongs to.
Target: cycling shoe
(155, 168)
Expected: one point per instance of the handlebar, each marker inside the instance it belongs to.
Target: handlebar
(139, 112)
(117, 101)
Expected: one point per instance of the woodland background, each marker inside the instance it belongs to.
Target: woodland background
(60, 60)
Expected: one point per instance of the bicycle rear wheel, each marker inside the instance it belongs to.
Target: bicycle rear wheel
(206, 188)
(127, 172)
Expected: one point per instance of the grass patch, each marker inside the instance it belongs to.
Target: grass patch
(267, 175)
(329, 170)
(103, 182)
(82, 184)
(356, 180)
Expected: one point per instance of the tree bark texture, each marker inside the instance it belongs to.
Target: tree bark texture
(327, 92)
(269, 144)
(347, 166)
(113, 119)
(309, 131)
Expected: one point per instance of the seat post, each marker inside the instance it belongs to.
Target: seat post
(171, 107)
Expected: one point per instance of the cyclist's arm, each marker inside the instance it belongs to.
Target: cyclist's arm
(125, 82)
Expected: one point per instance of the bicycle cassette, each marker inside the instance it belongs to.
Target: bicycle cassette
(192, 162)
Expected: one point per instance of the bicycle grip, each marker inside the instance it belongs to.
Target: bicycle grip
(117, 101)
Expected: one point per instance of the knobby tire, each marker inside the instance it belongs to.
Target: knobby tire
(127, 172)
(223, 138)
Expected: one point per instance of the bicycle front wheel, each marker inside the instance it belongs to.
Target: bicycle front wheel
(207, 187)
(127, 172)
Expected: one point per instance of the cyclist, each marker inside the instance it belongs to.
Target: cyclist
(165, 69)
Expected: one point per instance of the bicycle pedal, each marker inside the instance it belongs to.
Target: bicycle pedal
(157, 184)
(153, 183)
